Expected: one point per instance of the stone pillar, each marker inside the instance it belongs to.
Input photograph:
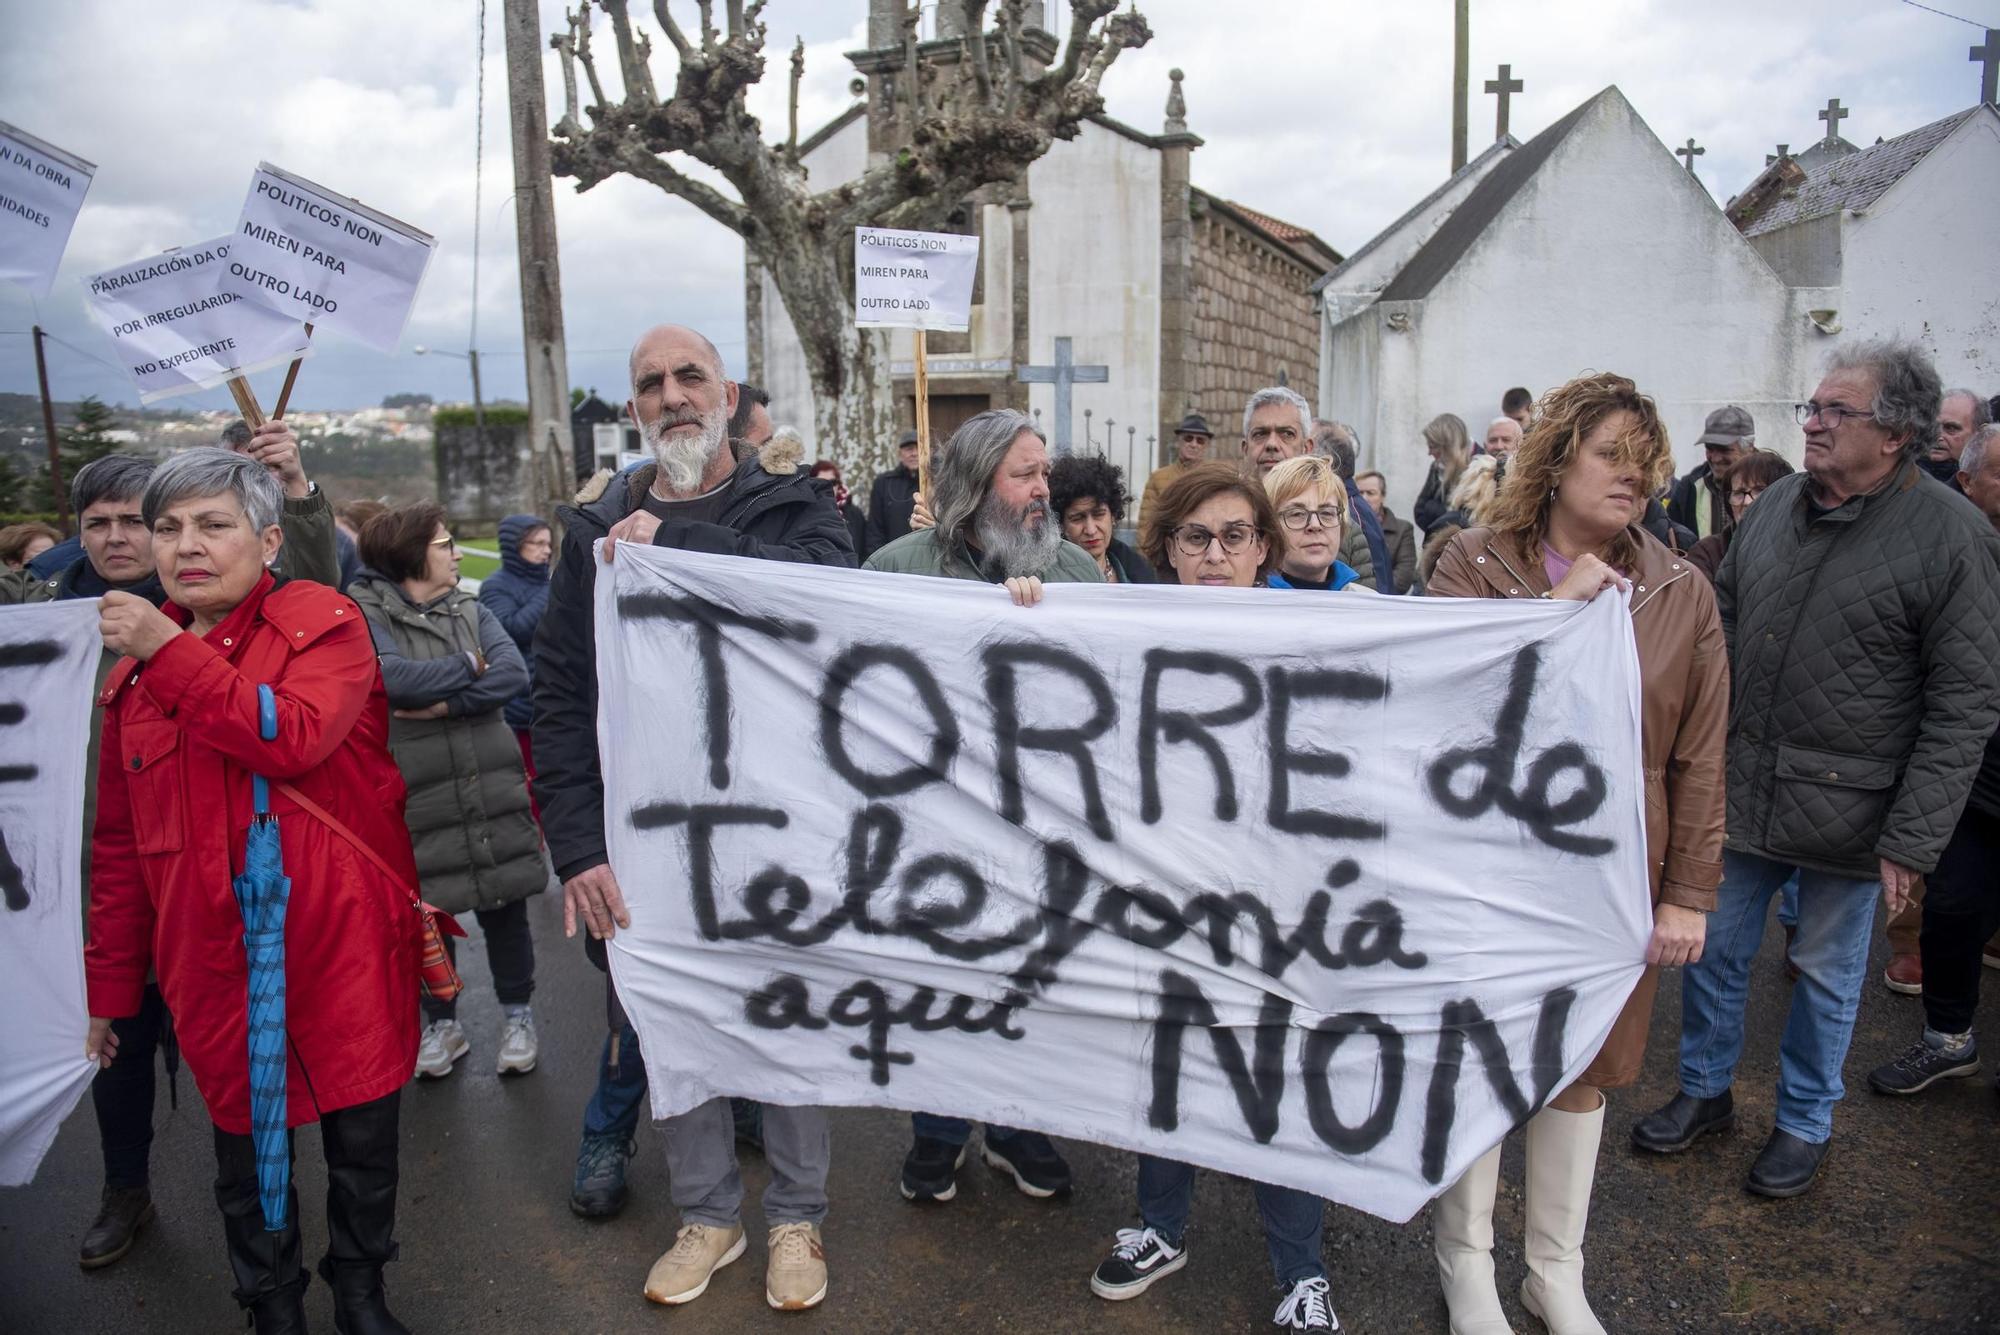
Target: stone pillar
(1177, 388)
(1022, 351)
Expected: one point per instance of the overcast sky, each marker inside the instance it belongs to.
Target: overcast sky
(1334, 114)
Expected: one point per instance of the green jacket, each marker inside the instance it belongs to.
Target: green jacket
(1354, 550)
(918, 553)
(475, 836)
(1864, 658)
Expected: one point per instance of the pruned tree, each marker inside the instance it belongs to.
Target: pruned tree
(979, 121)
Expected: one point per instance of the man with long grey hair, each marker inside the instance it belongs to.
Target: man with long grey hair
(991, 488)
(694, 496)
(1861, 610)
(990, 504)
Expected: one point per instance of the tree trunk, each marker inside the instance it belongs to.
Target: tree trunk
(854, 407)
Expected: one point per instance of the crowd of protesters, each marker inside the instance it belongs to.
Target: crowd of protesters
(1819, 654)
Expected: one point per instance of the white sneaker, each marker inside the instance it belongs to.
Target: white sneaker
(442, 1045)
(518, 1046)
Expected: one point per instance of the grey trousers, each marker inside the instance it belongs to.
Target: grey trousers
(701, 1157)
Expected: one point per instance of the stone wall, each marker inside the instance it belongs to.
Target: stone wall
(1253, 316)
(482, 482)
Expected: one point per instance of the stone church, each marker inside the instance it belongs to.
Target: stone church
(1191, 301)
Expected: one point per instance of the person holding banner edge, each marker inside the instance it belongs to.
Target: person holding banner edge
(1215, 527)
(1567, 526)
(697, 497)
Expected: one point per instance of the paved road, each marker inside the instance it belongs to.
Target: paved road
(1902, 1235)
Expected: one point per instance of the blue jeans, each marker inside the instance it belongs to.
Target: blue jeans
(1293, 1220)
(615, 1107)
(1836, 921)
(954, 1130)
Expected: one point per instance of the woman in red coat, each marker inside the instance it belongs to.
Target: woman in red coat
(182, 738)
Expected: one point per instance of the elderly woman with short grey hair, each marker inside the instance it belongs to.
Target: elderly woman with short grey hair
(240, 676)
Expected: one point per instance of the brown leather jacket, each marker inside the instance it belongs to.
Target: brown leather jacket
(1684, 709)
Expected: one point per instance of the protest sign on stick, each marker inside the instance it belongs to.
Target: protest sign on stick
(920, 281)
(48, 656)
(41, 192)
(1332, 896)
(175, 333)
(325, 260)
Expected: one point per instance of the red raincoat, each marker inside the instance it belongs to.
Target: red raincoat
(173, 807)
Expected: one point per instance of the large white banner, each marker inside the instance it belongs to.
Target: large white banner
(324, 259)
(48, 662)
(41, 192)
(1326, 891)
(175, 333)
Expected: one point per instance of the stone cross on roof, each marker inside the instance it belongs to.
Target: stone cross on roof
(1690, 152)
(1988, 57)
(1504, 88)
(1833, 115)
(1784, 151)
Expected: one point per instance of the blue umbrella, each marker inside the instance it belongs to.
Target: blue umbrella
(262, 892)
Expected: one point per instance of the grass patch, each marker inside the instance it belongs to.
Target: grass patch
(476, 567)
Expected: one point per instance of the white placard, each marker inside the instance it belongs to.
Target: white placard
(174, 332)
(913, 280)
(48, 662)
(325, 260)
(1320, 889)
(41, 191)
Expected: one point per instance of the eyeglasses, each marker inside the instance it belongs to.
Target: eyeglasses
(446, 541)
(1831, 415)
(1745, 495)
(1193, 540)
(1297, 519)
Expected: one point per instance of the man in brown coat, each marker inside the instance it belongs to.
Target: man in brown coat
(1191, 441)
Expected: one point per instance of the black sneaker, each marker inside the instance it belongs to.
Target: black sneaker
(1307, 1307)
(928, 1169)
(1028, 1158)
(1140, 1259)
(1923, 1065)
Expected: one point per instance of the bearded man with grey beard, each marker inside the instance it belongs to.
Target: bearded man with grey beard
(990, 500)
(696, 497)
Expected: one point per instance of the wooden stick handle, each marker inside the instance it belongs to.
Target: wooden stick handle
(923, 422)
(291, 378)
(246, 401)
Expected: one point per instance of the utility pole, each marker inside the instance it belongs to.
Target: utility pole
(541, 276)
(56, 487)
(1461, 62)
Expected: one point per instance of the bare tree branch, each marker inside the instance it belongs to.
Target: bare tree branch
(733, 11)
(798, 74)
(579, 35)
(566, 48)
(672, 29)
(708, 33)
(635, 160)
(632, 66)
(1083, 17)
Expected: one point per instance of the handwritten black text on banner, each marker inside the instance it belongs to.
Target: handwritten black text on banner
(1325, 891)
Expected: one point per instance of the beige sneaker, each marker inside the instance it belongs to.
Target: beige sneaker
(796, 1279)
(699, 1250)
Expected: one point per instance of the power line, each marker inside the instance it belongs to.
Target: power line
(1942, 14)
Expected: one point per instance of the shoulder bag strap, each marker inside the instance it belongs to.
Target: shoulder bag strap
(354, 840)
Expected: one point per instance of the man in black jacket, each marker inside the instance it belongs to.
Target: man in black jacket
(893, 498)
(695, 497)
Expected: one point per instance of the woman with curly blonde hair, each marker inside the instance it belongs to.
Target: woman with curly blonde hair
(1566, 524)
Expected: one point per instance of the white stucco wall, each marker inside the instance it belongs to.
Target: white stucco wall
(1094, 276)
(1610, 258)
(1924, 261)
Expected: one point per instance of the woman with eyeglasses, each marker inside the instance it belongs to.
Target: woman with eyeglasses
(1214, 527)
(450, 667)
(1753, 472)
(1311, 504)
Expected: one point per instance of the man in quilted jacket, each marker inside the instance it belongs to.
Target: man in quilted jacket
(1861, 602)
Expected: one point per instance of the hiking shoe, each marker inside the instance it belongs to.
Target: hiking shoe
(598, 1191)
(699, 1250)
(120, 1215)
(1139, 1258)
(1905, 975)
(1307, 1307)
(518, 1045)
(442, 1045)
(796, 1276)
(928, 1170)
(1924, 1063)
(1028, 1158)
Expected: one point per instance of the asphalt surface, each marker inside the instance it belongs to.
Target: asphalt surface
(1901, 1234)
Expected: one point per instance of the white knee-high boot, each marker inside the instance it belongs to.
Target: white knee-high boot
(1562, 1162)
(1462, 1225)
